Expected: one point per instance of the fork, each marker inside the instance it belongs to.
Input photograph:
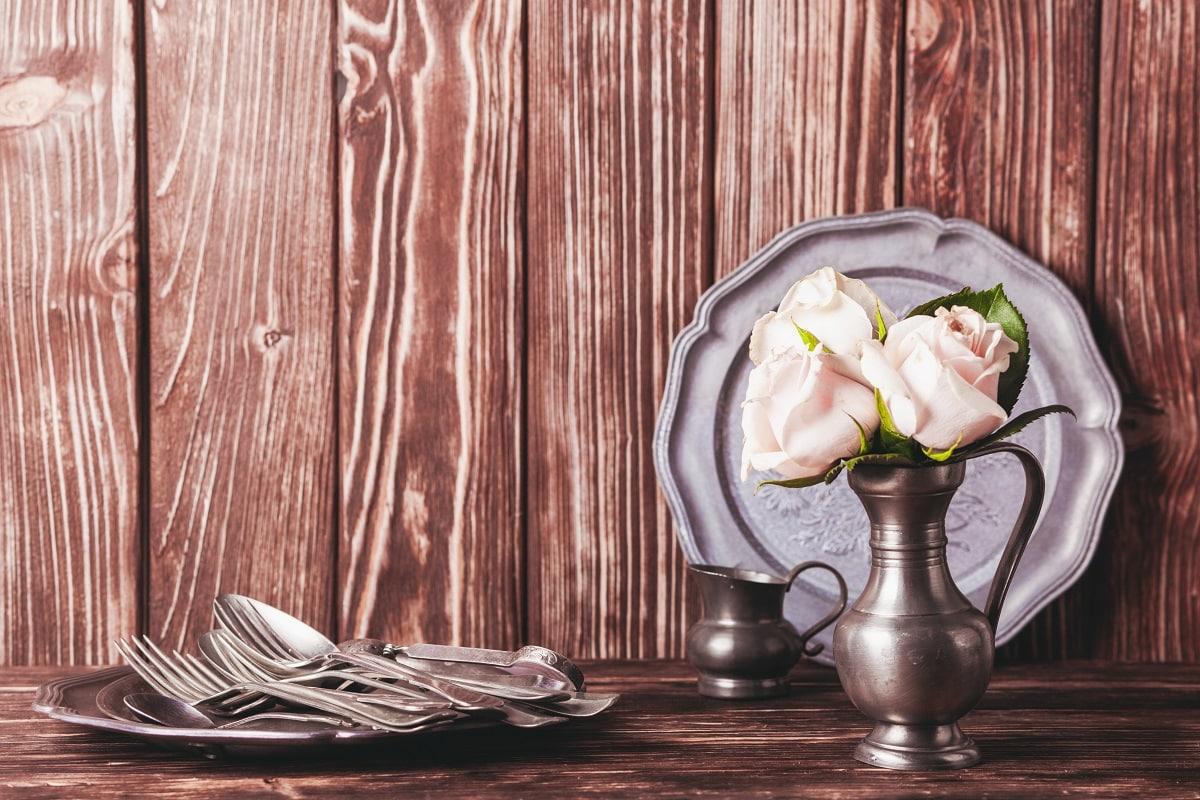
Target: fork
(190, 680)
(225, 650)
(241, 663)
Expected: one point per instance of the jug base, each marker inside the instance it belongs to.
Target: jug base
(917, 747)
(741, 688)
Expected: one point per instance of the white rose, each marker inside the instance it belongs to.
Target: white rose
(939, 375)
(839, 311)
(797, 413)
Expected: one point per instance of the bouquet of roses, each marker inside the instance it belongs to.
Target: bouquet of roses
(839, 381)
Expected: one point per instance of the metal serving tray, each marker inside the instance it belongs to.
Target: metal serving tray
(908, 256)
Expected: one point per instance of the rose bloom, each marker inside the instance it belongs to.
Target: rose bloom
(939, 375)
(839, 311)
(798, 409)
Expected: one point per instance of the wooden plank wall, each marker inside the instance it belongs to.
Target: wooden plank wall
(69, 539)
(365, 307)
(431, 297)
(238, 176)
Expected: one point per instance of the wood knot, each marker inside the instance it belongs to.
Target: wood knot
(1144, 424)
(24, 102)
(267, 338)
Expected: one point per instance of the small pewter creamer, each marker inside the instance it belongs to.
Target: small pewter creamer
(912, 652)
(742, 646)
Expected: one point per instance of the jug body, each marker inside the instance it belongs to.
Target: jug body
(912, 652)
(743, 647)
(738, 660)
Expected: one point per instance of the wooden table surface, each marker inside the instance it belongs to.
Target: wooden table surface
(1064, 729)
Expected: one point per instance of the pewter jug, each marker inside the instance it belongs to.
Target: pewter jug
(912, 652)
(742, 646)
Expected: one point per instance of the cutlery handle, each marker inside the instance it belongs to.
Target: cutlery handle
(459, 695)
(444, 652)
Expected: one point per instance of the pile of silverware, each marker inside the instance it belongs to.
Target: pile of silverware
(263, 668)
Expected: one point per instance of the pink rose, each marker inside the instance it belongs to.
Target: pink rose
(839, 311)
(798, 409)
(939, 375)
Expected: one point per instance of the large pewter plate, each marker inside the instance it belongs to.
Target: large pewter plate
(908, 256)
(94, 700)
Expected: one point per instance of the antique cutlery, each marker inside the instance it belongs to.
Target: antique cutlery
(174, 713)
(278, 634)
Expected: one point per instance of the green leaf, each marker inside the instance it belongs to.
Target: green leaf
(945, 301)
(1015, 426)
(880, 325)
(892, 440)
(793, 483)
(810, 341)
(943, 455)
(877, 458)
(832, 474)
(995, 306)
(863, 444)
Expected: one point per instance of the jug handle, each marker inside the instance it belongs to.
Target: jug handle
(1031, 506)
(829, 618)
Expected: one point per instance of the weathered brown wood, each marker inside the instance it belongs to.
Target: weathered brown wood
(807, 114)
(618, 246)
(68, 332)
(1143, 583)
(1068, 729)
(431, 294)
(239, 114)
(999, 114)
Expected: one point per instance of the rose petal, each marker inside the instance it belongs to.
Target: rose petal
(861, 293)
(838, 310)
(779, 463)
(840, 324)
(884, 377)
(772, 335)
(902, 336)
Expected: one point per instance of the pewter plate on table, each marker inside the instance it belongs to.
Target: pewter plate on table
(908, 256)
(95, 700)
(98, 700)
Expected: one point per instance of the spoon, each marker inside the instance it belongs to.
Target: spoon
(279, 633)
(173, 713)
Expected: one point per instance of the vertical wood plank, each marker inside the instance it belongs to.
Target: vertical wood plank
(999, 116)
(618, 245)
(431, 294)
(68, 332)
(807, 115)
(1143, 582)
(239, 117)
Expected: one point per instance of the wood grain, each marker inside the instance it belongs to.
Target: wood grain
(431, 294)
(68, 332)
(807, 113)
(239, 117)
(1147, 288)
(618, 245)
(999, 114)
(1070, 729)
